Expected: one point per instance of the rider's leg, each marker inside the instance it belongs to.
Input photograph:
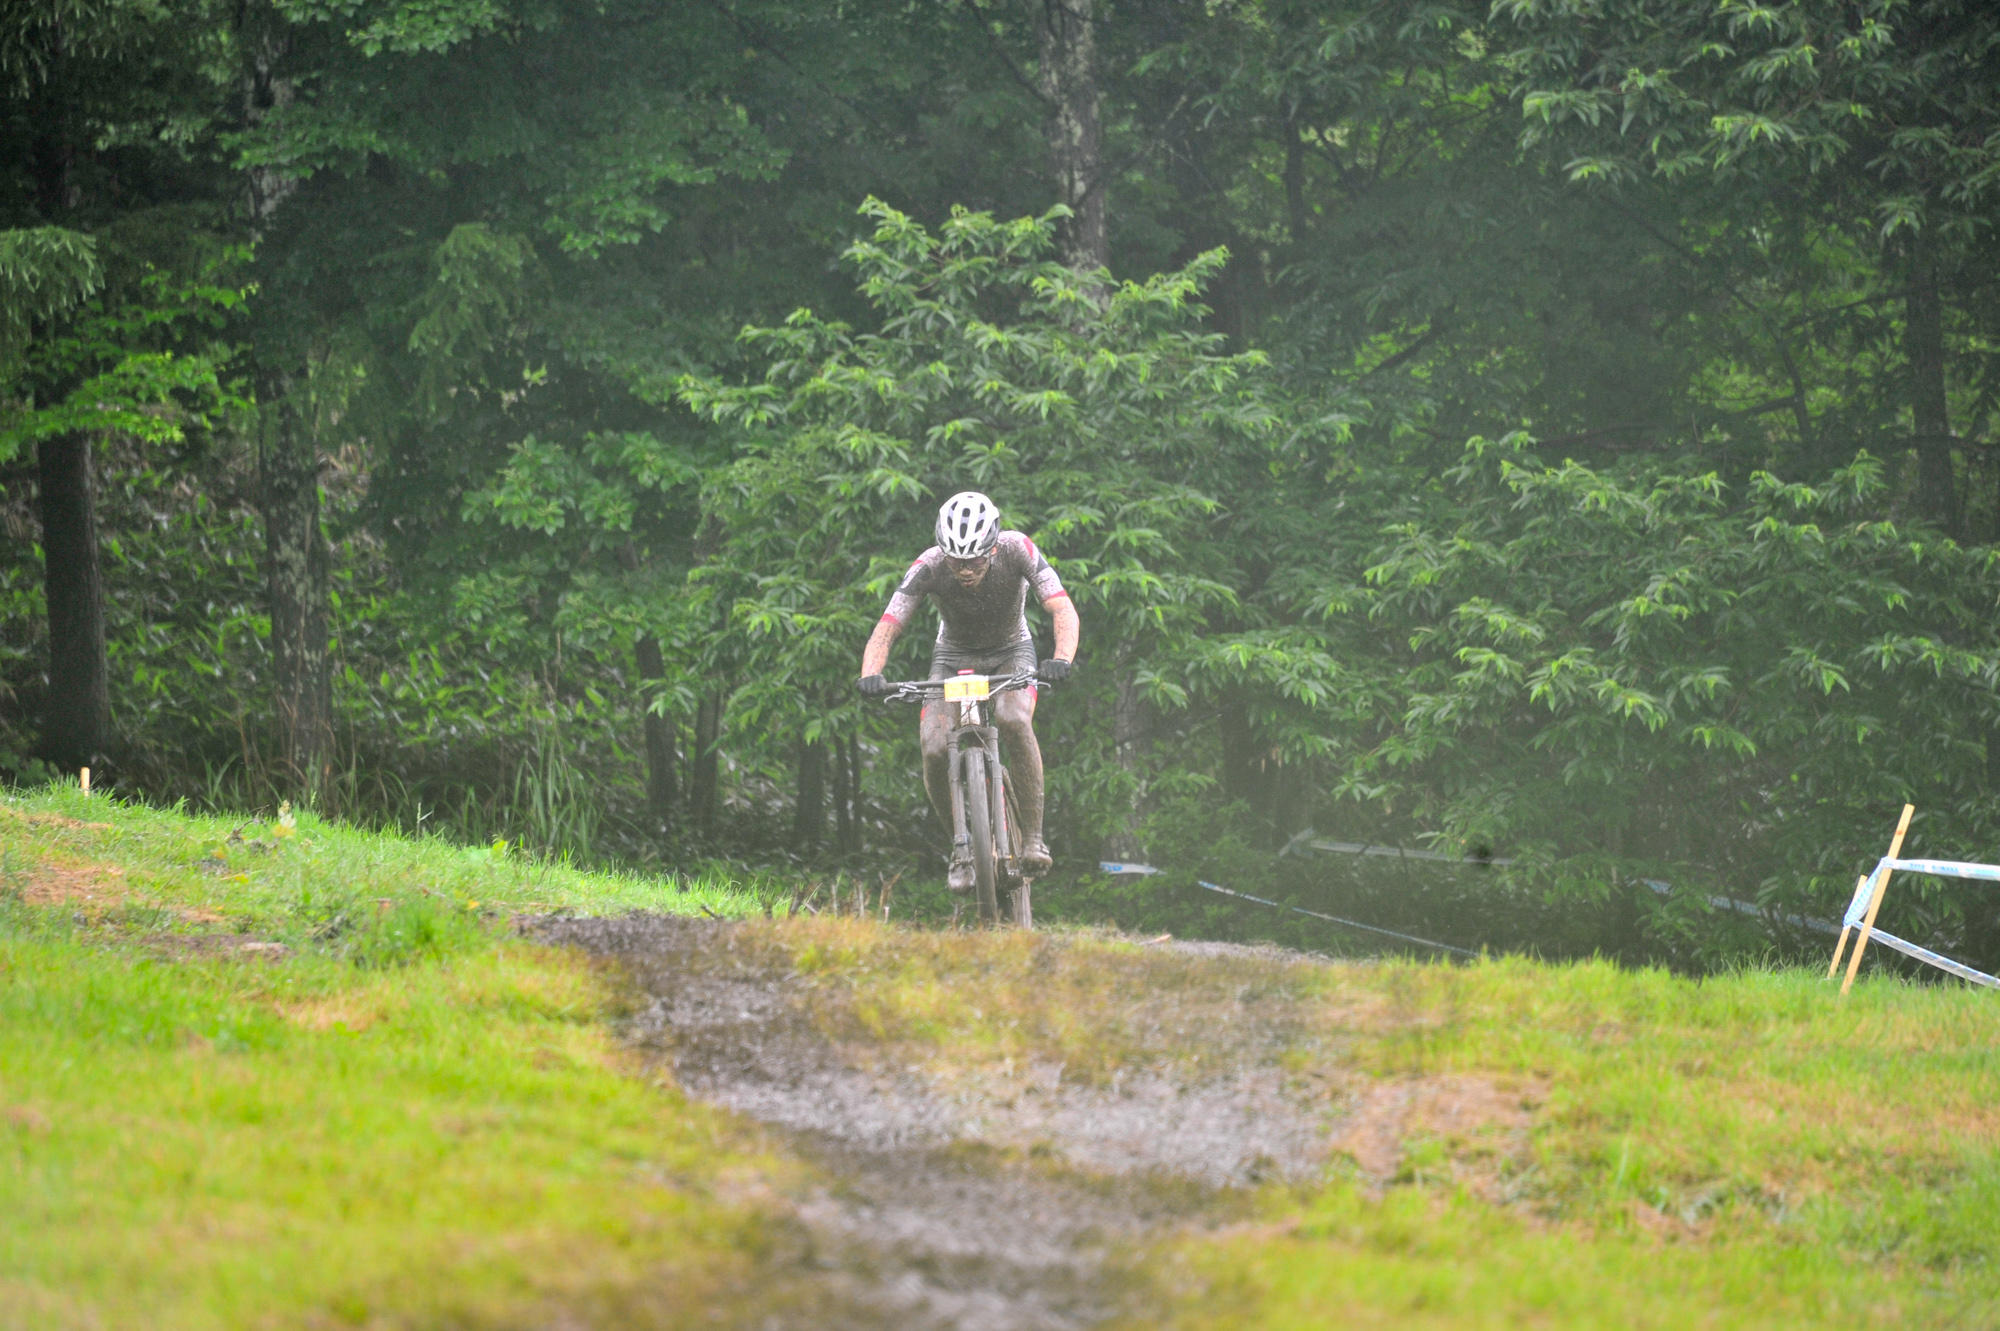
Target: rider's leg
(1015, 715)
(934, 738)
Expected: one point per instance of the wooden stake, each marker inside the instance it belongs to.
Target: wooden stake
(1845, 930)
(85, 776)
(1875, 899)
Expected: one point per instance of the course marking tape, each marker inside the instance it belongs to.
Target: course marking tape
(1946, 868)
(1750, 908)
(1115, 867)
(1310, 842)
(1924, 954)
(1868, 893)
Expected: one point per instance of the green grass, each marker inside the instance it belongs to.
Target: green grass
(1588, 1146)
(1746, 1150)
(415, 1119)
(288, 882)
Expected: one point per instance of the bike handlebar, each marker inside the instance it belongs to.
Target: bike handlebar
(919, 690)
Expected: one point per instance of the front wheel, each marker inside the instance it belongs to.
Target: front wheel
(979, 828)
(1014, 903)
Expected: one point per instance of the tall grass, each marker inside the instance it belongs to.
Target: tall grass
(539, 800)
(557, 808)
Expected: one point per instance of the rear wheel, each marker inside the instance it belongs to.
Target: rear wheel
(979, 827)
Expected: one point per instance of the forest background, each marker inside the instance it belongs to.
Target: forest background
(1559, 431)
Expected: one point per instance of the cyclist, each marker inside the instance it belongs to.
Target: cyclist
(979, 577)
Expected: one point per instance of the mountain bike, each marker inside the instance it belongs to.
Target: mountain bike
(983, 814)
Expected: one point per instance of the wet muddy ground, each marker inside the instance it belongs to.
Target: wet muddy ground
(978, 1197)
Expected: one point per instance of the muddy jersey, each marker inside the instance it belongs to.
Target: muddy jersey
(989, 616)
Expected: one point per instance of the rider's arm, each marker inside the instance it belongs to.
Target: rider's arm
(1049, 591)
(875, 656)
(909, 593)
(1063, 612)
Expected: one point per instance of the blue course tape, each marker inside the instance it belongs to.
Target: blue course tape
(1114, 867)
(1924, 954)
(1858, 907)
(1946, 868)
(1748, 908)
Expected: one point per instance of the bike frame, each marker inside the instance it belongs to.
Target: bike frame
(978, 780)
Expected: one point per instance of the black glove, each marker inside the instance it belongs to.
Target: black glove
(874, 686)
(1054, 670)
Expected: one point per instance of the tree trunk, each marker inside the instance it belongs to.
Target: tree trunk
(854, 775)
(1295, 179)
(1067, 61)
(1937, 488)
(1128, 734)
(1239, 751)
(1245, 771)
(1068, 73)
(265, 41)
(847, 795)
(296, 580)
(704, 797)
(76, 723)
(809, 817)
(297, 572)
(662, 751)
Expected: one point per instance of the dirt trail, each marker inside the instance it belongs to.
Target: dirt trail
(989, 1201)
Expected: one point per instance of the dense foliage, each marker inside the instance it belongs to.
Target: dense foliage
(1559, 431)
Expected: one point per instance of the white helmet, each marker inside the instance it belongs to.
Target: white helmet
(968, 525)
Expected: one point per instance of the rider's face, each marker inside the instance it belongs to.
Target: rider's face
(969, 572)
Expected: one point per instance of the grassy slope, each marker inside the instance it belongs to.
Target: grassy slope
(1744, 1150)
(415, 1120)
(413, 1115)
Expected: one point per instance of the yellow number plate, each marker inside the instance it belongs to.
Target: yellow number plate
(968, 688)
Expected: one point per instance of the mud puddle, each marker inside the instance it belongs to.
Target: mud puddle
(994, 1200)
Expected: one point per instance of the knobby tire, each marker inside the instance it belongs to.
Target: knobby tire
(1017, 906)
(979, 827)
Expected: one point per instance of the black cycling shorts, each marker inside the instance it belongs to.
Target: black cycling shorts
(948, 659)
